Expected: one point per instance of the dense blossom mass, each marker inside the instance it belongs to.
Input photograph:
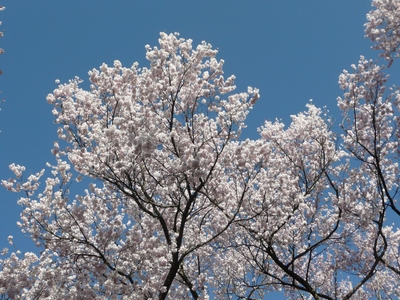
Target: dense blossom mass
(177, 206)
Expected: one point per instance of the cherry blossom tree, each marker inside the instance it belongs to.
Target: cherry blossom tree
(383, 27)
(319, 223)
(316, 224)
(162, 141)
(177, 206)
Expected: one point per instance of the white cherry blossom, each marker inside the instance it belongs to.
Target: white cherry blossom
(154, 195)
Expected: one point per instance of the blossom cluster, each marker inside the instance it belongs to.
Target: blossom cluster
(177, 206)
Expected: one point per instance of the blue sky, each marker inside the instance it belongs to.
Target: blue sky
(291, 50)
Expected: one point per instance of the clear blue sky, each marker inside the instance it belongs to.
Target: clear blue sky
(291, 50)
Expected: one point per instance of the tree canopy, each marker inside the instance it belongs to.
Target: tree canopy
(178, 206)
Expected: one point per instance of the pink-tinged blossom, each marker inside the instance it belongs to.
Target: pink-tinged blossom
(158, 139)
(383, 27)
(178, 207)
